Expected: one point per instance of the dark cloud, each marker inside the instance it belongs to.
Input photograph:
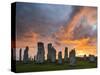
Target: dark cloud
(52, 22)
(84, 31)
(57, 24)
(41, 18)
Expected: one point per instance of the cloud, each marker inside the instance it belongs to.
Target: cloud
(81, 25)
(40, 18)
(80, 32)
(60, 25)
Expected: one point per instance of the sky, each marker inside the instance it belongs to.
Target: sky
(62, 25)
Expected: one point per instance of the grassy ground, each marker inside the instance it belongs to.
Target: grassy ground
(31, 67)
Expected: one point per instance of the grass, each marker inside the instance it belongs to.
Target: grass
(31, 67)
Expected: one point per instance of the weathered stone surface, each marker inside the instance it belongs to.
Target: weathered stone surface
(72, 57)
(49, 52)
(26, 56)
(66, 55)
(40, 53)
(51, 56)
(60, 58)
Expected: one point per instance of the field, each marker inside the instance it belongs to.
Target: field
(32, 67)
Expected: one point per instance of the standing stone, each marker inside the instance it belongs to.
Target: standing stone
(13, 54)
(85, 58)
(51, 56)
(60, 58)
(34, 58)
(20, 55)
(66, 55)
(26, 56)
(92, 58)
(72, 57)
(40, 53)
(49, 52)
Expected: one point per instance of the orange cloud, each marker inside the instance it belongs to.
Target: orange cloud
(27, 40)
(82, 46)
(64, 36)
(88, 12)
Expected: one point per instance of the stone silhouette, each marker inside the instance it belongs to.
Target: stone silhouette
(84, 57)
(13, 54)
(51, 56)
(60, 57)
(26, 56)
(34, 58)
(92, 58)
(72, 57)
(49, 52)
(66, 55)
(20, 55)
(40, 53)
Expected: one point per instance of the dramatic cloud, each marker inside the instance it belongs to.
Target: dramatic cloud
(40, 18)
(61, 25)
(81, 31)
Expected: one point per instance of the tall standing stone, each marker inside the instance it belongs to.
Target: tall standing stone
(13, 54)
(72, 57)
(66, 55)
(60, 58)
(51, 56)
(20, 55)
(26, 56)
(49, 52)
(40, 53)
